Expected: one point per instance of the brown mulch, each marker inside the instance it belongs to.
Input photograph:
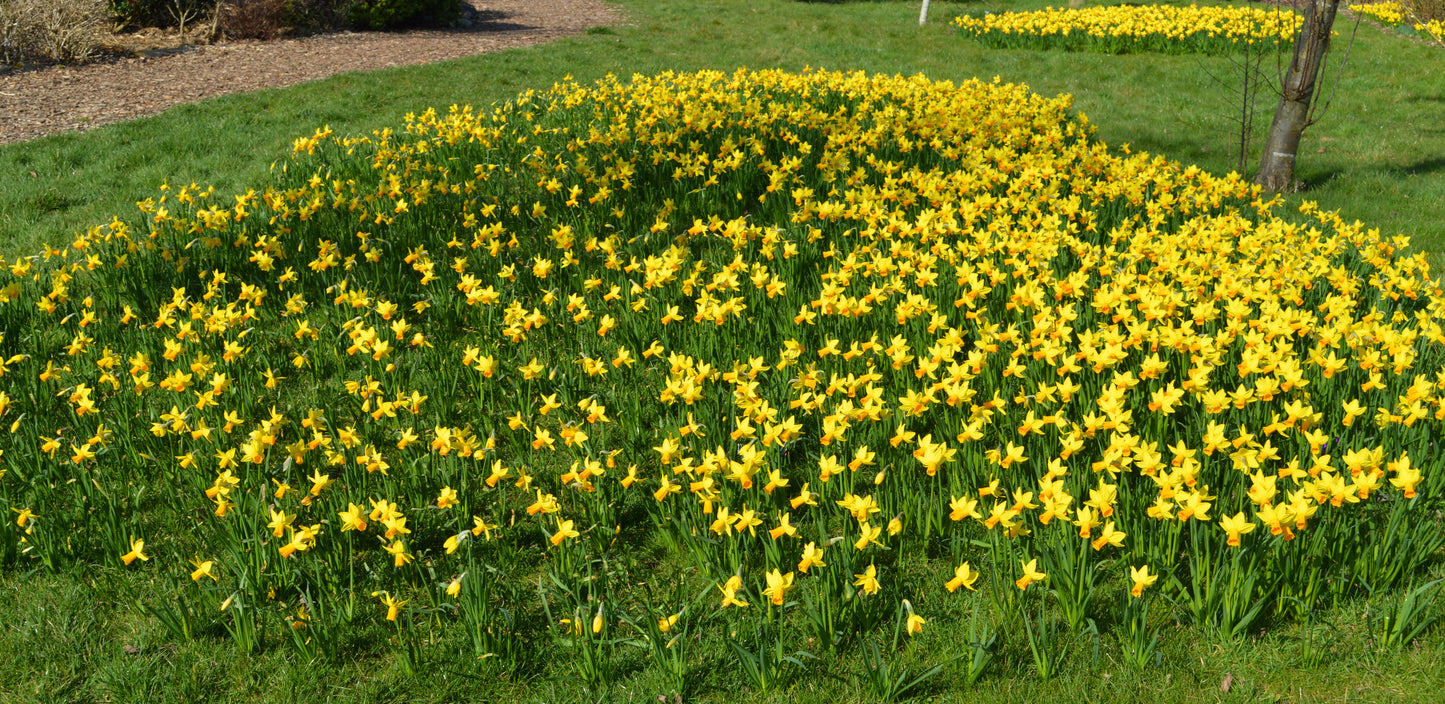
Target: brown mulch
(53, 99)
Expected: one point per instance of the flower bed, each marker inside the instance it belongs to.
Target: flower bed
(842, 347)
(1133, 28)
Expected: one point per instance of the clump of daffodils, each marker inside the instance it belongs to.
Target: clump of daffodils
(1389, 13)
(814, 319)
(1125, 28)
(1395, 14)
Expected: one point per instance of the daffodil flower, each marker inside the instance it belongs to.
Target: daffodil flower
(1142, 580)
(564, 531)
(868, 580)
(393, 606)
(730, 592)
(963, 576)
(1235, 526)
(778, 586)
(137, 548)
(1031, 574)
(203, 569)
(812, 557)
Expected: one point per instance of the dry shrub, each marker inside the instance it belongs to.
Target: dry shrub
(1426, 10)
(252, 19)
(12, 32)
(267, 19)
(57, 30)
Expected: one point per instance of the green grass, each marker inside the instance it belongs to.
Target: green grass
(80, 635)
(81, 638)
(1374, 155)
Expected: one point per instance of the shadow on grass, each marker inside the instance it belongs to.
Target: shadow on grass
(1316, 179)
(1425, 167)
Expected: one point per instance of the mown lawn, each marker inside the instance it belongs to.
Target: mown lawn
(90, 631)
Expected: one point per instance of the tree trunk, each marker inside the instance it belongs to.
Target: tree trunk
(1276, 166)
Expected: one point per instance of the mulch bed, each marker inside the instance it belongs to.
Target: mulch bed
(52, 99)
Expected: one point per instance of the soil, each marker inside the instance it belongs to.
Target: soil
(146, 73)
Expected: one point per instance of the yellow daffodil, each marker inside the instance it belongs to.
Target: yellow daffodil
(203, 569)
(812, 557)
(1235, 526)
(564, 531)
(137, 548)
(868, 580)
(730, 592)
(1142, 580)
(1031, 574)
(353, 518)
(778, 586)
(393, 605)
(397, 550)
(963, 576)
